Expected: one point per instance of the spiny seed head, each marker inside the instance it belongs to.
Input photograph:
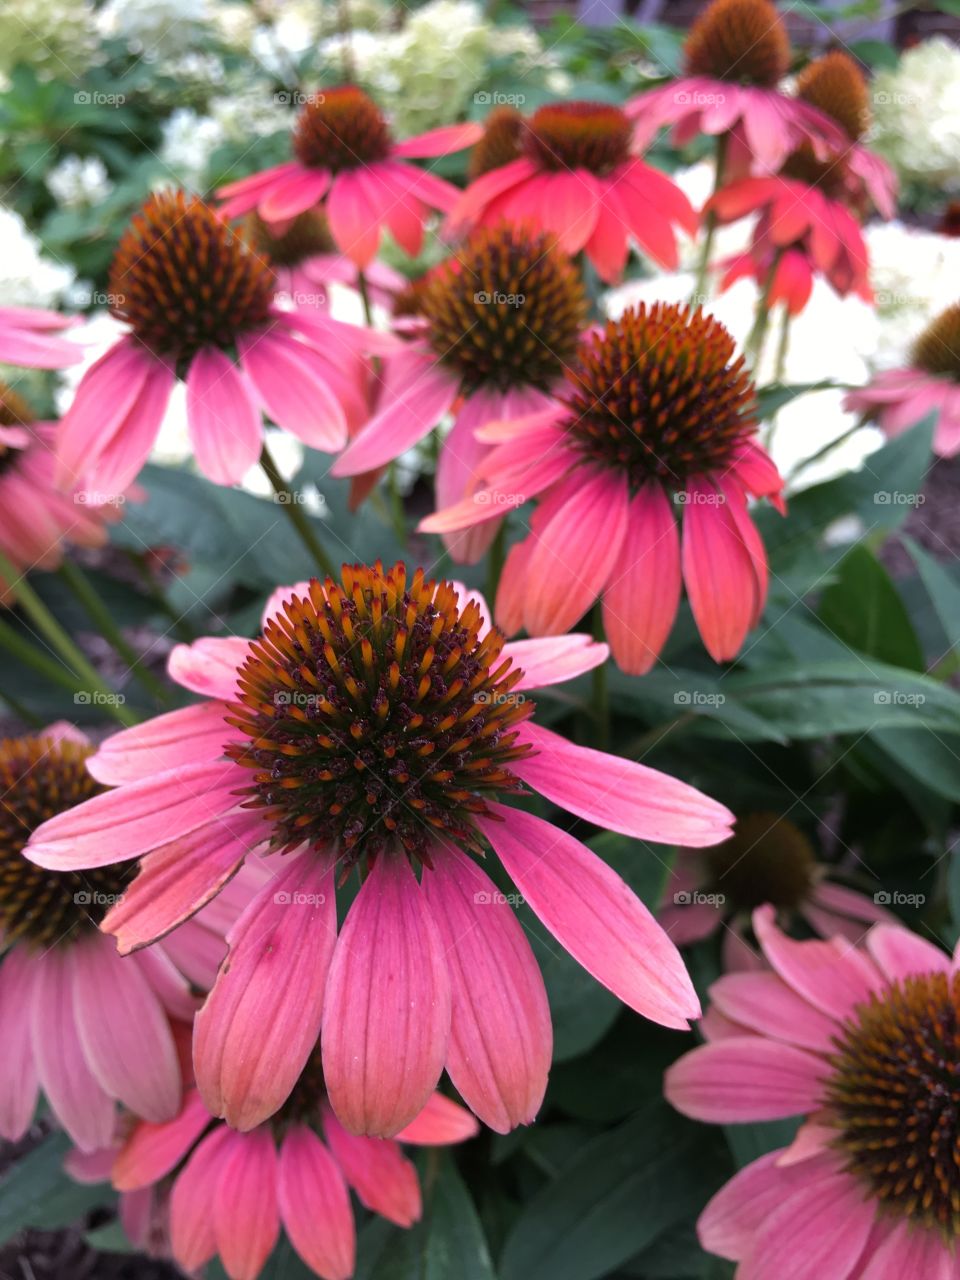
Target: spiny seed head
(341, 128)
(937, 350)
(183, 279)
(507, 310)
(741, 40)
(39, 778)
(660, 394)
(894, 1099)
(502, 141)
(767, 859)
(578, 135)
(835, 85)
(378, 717)
(306, 236)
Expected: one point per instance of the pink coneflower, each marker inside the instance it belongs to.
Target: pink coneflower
(766, 860)
(380, 726)
(229, 1193)
(864, 1046)
(579, 178)
(79, 1022)
(199, 302)
(736, 54)
(38, 519)
(306, 263)
(801, 232)
(494, 329)
(900, 398)
(347, 159)
(31, 339)
(657, 420)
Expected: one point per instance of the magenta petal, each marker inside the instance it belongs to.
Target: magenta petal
(153, 1150)
(222, 416)
(594, 915)
(383, 1178)
(834, 977)
(315, 1205)
(289, 379)
(192, 1200)
(642, 595)
(262, 1019)
(901, 954)
(719, 571)
(745, 1078)
(192, 735)
(386, 1021)
(246, 1220)
(18, 1070)
(620, 794)
(75, 1097)
(501, 1037)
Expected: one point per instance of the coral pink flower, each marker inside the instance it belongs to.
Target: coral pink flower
(736, 54)
(766, 860)
(658, 417)
(381, 726)
(38, 519)
(578, 177)
(200, 305)
(31, 339)
(495, 327)
(900, 398)
(86, 1026)
(230, 1193)
(801, 232)
(346, 159)
(863, 1046)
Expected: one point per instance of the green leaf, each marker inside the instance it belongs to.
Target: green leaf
(625, 1188)
(749, 1142)
(942, 587)
(772, 398)
(36, 1192)
(863, 609)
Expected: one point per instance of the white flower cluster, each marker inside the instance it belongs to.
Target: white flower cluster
(916, 109)
(27, 277)
(55, 37)
(190, 139)
(914, 274)
(426, 73)
(161, 29)
(78, 182)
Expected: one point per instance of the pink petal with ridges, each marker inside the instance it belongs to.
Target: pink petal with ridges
(246, 1219)
(383, 1178)
(18, 1069)
(442, 1122)
(554, 659)
(190, 735)
(642, 594)
(223, 417)
(193, 1199)
(834, 979)
(744, 1079)
(315, 1205)
(154, 1150)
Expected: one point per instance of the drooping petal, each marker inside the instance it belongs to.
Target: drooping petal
(384, 1179)
(643, 591)
(554, 659)
(315, 1205)
(192, 1200)
(501, 1036)
(246, 1219)
(223, 417)
(18, 1069)
(290, 382)
(594, 915)
(385, 1039)
(762, 1002)
(154, 1150)
(718, 570)
(260, 1023)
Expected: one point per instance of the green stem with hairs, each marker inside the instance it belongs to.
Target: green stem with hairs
(287, 500)
(710, 226)
(495, 563)
(755, 341)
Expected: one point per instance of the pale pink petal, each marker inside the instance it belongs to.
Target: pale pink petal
(501, 1036)
(441, 1123)
(594, 915)
(383, 1178)
(260, 1023)
(386, 1019)
(209, 666)
(554, 659)
(294, 194)
(260, 182)
(75, 1097)
(123, 455)
(222, 416)
(191, 735)
(315, 1205)
(901, 954)
(439, 142)
(18, 1070)
(154, 1150)
(910, 1252)
(643, 592)
(620, 794)
(246, 1219)
(762, 1002)
(289, 379)
(744, 1079)
(457, 470)
(193, 1199)
(355, 232)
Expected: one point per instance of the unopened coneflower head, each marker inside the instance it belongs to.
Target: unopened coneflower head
(502, 141)
(837, 87)
(307, 235)
(898, 399)
(379, 725)
(346, 159)
(657, 421)
(199, 300)
(741, 40)
(767, 859)
(860, 1042)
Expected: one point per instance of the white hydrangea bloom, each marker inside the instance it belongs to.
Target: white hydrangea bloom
(915, 275)
(158, 30)
(189, 140)
(27, 277)
(55, 37)
(916, 110)
(78, 182)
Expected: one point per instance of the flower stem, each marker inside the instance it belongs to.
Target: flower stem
(86, 593)
(295, 514)
(364, 290)
(601, 689)
(495, 563)
(783, 346)
(755, 341)
(710, 226)
(85, 678)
